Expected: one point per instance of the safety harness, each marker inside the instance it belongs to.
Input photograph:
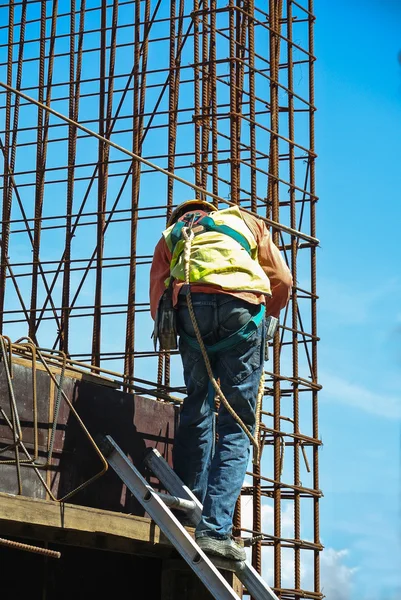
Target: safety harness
(205, 223)
(229, 342)
(187, 232)
(196, 223)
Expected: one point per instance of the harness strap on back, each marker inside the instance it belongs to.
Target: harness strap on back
(209, 225)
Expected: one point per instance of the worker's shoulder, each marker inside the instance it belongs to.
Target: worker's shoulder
(255, 224)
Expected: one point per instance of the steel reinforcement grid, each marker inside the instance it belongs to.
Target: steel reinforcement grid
(112, 112)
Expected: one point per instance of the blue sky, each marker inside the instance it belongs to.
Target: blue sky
(358, 95)
(358, 132)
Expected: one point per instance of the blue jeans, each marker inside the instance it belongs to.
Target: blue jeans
(215, 473)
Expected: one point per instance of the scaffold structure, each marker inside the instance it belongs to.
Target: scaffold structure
(113, 112)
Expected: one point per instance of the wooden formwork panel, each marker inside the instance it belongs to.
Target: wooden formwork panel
(88, 407)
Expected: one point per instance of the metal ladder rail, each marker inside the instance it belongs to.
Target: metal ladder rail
(249, 577)
(168, 523)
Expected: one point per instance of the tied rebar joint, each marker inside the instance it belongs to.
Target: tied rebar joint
(248, 542)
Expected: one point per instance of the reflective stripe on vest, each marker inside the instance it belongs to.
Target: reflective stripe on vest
(209, 225)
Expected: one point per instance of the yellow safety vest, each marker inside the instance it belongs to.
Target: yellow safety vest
(224, 253)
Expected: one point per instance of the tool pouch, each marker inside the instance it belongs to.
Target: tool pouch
(165, 329)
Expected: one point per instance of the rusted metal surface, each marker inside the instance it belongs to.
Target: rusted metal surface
(29, 548)
(135, 422)
(112, 112)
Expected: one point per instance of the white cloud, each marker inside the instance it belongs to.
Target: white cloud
(342, 391)
(336, 576)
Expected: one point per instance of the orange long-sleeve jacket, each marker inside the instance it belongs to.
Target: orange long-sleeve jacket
(269, 257)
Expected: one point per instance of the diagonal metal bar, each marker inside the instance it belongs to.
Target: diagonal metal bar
(273, 224)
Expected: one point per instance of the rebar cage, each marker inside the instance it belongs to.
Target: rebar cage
(113, 112)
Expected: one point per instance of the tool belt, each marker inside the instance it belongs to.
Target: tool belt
(165, 329)
(232, 340)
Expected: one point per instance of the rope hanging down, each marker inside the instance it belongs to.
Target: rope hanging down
(188, 235)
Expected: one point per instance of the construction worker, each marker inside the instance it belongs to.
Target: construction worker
(225, 276)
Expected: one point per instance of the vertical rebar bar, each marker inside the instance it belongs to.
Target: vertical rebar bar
(6, 212)
(135, 182)
(205, 94)
(40, 175)
(252, 116)
(274, 21)
(213, 100)
(223, 81)
(233, 105)
(196, 115)
(72, 134)
(294, 298)
(101, 193)
(316, 520)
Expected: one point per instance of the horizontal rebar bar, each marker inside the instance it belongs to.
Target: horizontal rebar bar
(273, 224)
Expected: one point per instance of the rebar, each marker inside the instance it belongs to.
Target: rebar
(111, 115)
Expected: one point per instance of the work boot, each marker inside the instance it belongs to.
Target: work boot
(229, 548)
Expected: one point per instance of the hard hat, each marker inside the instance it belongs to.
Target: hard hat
(182, 209)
